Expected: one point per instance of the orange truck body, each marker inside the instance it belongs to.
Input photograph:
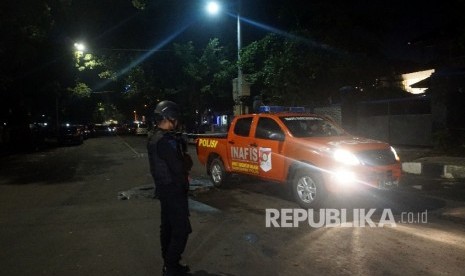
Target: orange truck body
(276, 146)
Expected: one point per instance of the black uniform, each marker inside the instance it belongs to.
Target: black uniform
(169, 170)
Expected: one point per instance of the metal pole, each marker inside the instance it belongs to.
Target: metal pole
(239, 69)
(57, 123)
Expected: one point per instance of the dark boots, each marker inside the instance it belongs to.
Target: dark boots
(179, 270)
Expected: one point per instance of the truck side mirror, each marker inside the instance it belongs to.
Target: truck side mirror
(276, 136)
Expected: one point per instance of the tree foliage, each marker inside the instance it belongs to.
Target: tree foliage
(25, 26)
(292, 70)
(81, 89)
(334, 44)
(207, 76)
(86, 61)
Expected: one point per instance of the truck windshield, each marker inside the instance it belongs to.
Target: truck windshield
(309, 126)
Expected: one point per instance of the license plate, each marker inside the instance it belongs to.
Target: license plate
(387, 181)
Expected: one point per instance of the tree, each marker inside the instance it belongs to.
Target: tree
(25, 54)
(293, 69)
(207, 82)
(217, 84)
(36, 51)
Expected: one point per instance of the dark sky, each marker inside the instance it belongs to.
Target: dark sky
(388, 24)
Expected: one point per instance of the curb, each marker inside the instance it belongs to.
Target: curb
(452, 212)
(446, 171)
(450, 217)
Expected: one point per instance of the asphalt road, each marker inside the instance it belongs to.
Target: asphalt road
(62, 213)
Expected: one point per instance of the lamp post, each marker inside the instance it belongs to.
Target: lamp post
(214, 8)
(79, 46)
(239, 69)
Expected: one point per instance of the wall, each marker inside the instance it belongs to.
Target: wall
(334, 112)
(410, 129)
(398, 121)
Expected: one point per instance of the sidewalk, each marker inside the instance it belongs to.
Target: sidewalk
(438, 174)
(437, 166)
(431, 163)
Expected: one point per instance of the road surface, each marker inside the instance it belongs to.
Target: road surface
(88, 210)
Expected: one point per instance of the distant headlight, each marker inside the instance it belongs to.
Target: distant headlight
(395, 154)
(346, 157)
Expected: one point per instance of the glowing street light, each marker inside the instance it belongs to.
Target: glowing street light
(213, 8)
(79, 46)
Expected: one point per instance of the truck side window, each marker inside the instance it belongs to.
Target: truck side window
(242, 127)
(267, 128)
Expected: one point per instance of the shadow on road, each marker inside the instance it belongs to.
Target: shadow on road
(51, 166)
(397, 201)
(205, 273)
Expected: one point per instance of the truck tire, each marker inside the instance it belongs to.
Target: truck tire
(308, 188)
(217, 172)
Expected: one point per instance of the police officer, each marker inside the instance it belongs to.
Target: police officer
(169, 166)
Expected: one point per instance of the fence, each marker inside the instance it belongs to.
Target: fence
(406, 121)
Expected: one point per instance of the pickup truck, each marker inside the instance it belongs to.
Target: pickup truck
(310, 153)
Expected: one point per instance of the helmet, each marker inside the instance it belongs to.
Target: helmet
(166, 110)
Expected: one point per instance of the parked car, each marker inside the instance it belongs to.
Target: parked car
(70, 134)
(141, 129)
(91, 131)
(102, 130)
(131, 128)
(114, 128)
(86, 131)
(126, 129)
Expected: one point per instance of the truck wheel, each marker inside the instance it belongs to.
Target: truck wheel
(217, 172)
(308, 189)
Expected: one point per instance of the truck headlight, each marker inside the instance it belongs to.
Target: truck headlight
(346, 157)
(344, 176)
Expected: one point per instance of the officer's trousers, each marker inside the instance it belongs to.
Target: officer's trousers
(175, 227)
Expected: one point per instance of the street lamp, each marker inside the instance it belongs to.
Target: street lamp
(79, 46)
(79, 49)
(213, 8)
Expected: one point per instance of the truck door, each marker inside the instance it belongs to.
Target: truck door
(243, 157)
(269, 140)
